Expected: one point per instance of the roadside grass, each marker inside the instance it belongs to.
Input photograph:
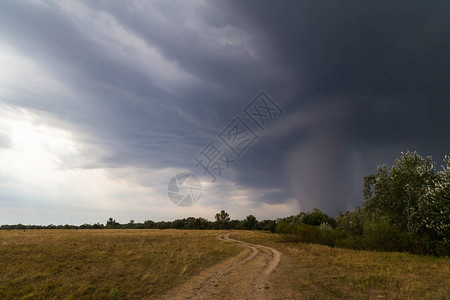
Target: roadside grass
(104, 264)
(136, 264)
(314, 271)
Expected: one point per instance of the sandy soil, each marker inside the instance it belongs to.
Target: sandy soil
(245, 276)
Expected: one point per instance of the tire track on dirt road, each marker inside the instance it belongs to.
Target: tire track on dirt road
(244, 276)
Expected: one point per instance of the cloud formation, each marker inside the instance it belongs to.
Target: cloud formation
(114, 99)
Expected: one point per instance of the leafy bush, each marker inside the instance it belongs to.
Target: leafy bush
(316, 217)
(352, 222)
(350, 241)
(289, 231)
(381, 235)
(324, 235)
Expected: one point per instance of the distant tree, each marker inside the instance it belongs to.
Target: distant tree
(250, 222)
(222, 219)
(111, 223)
(163, 225)
(190, 223)
(179, 223)
(149, 224)
(352, 221)
(235, 224)
(269, 225)
(85, 226)
(199, 223)
(131, 224)
(316, 217)
(297, 219)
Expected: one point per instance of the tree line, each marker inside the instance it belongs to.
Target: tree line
(406, 207)
(222, 221)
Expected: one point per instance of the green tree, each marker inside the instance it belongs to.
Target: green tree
(250, 222)
(394, 192)
(149, 224)
(315, 218)
(222, 219)
(179, 223)
(432, 213)
(111, 223)
(352, 222)
(269, 225)
(131, 224)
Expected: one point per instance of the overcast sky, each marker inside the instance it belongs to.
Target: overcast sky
(103, 102)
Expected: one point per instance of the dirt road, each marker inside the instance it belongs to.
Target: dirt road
(245, 276)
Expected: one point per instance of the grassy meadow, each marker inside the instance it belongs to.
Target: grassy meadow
(103, 264)
(321, 272)
(137, 264)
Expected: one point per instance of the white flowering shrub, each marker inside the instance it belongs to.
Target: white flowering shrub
(414, 198)
(433, 209)
(394, 192)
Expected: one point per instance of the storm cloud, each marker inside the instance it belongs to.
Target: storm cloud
(135, 90)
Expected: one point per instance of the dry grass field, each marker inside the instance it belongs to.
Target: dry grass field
(319, 272)
(145, 264)
(103, 264)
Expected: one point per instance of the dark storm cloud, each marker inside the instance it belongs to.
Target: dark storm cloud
(359, 82)
(387, 60)
(230, 73)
